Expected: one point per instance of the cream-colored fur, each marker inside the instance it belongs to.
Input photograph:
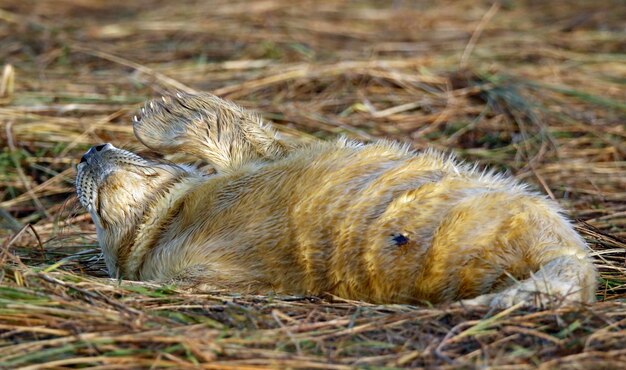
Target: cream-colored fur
(375, 222)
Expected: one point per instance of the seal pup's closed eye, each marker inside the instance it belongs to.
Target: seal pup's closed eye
(375, 222)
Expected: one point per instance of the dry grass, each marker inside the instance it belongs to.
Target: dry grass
(534, 89)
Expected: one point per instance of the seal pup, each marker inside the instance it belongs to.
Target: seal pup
(375, 222)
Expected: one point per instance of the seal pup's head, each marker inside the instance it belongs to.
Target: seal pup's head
(119, 188)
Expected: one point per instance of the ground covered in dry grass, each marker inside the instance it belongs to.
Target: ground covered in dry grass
(537, 90)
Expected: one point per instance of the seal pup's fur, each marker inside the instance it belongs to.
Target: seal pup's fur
(375, 222)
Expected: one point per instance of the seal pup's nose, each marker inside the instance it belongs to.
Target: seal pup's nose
(94, 150)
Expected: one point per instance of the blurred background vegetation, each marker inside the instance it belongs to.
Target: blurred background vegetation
(533, 88)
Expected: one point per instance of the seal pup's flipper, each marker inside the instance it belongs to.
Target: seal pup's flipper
(209, 128)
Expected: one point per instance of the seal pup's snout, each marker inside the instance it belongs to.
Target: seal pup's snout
(95, 151)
